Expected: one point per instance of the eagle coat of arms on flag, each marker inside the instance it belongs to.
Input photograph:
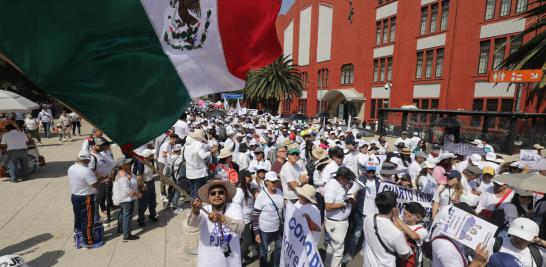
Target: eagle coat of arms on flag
(184, 27)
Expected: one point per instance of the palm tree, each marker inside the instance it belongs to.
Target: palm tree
(532, 54)
(273, 83)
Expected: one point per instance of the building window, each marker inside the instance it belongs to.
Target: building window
(286, 106)
(434, 104)
(424, 105)
(445, 13)
(302, 106)
(419, 69)
(433, 18)
(381, 67)
(389, 69)
(498, 56)
(323, 78)
(491, 105)
(516, 44)
(484, 57)
(424, 15)
(347, 74)
(375, 70)
(378, 33)
(521, 6)
(393, 29)
(439, 63)
(373, 108)
(489, 9)
(385, 32)
(304, 80)
(428, 67)
(505, 7)
(507, 105)
(477, 105)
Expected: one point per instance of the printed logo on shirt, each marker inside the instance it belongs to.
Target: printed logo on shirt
(220, 236)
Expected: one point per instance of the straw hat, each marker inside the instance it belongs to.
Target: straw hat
(203, 191)
(198, 134)
(224, 153)
(318, 153)
(307, 191)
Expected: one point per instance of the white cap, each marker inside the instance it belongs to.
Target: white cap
(271, 176)
(147, 152)
(490, 156)
(524, 228)
(470, 199)
(475, 158)
(177, 147)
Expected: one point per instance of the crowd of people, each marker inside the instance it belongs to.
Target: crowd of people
(240, 171)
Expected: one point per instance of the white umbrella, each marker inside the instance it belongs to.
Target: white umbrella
(539, 166)
(11, 102)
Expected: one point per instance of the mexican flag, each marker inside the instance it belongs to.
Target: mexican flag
(130, 67)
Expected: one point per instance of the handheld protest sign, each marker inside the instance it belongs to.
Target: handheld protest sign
(12, 261)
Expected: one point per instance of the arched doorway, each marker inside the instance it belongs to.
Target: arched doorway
(343, 103)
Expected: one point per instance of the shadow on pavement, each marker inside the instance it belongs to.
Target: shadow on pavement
(49, 258)
(164, 216)
(25, 244)
(54, 169)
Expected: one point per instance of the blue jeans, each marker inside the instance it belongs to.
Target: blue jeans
(195, 184)
(47, 130)
(147, 201)
(267, 238)
(17, 157)
(124, 218)
(354, 241)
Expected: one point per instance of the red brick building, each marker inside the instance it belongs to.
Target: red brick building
(435, 54)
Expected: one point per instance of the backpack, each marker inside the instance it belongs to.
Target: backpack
(231, 173)
(427, 248)
(535, 253)
(413, 259)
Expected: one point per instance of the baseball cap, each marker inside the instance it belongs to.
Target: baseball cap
(420, 154)
(259, 150)
(475, 158)
(488, 170)
(474, 170)
(271, 176)
(99, 141)
(453, 174)
(524, 228)
(123, 161)
(84, 156)
(177, 147)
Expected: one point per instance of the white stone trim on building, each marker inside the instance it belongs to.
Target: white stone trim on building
(304, 46)
(502, 28)
(324, 40)
(487, 89)
(383, 51)
(380, 92)
(431, 41)
(426, 90)
(288, 43)
(386, 11)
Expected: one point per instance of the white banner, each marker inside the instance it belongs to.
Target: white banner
(407, 195)
(528, 157)
(298, 247)
(468, 229)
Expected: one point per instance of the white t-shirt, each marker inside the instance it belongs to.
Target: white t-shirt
(165, 148)
(211, 246)
(413, 170)
(31, 124)
(248, 205)
(445, 254)
(392, 237)
(335, 193)
(427, 184)
(329, 171)
(488, 200)
(14, 140)
(445, 197)
(181, 128)
(269, 218)
(314, 214)
(255, 165)
(80, 179)
(239, 196)
(290, 173)
(369, 208)
(523, 255)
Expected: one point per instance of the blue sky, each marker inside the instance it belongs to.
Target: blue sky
(286, 4)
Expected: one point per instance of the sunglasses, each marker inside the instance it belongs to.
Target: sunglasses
(294, 154)
(217, 192)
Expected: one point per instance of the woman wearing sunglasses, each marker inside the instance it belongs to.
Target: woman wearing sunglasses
(220, 229)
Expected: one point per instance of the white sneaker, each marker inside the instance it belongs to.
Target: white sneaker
(165, 199)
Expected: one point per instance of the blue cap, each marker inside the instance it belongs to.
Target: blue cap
(371, 168)
(501, 259)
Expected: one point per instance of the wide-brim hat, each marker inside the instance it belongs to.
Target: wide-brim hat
(307, 191)
(198, 134)
(224, 153)
(447, 155)
(318, 153)
(389, 168)
(122, 161)
(490, 156)
(477, 142)
(203, 191)
(406, 151)
(321, 162)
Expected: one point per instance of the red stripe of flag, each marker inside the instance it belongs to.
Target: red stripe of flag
(247, 31)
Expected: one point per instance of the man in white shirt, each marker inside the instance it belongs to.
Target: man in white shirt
(522, 242)
(259, 161)
(353, 159)
(402, 140)
(468, 181)
(66, 123)
(15, 142)
(336, 155)
(45, 118)
(181, 127)
(414, 169)
(338, 205)
(414, 141)
(31, 127)
(196, 154)
(83, 184)
(85, 145)
(384, 242)
(292, 174)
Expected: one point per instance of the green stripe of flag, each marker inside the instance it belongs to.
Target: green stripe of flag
(101, 58)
